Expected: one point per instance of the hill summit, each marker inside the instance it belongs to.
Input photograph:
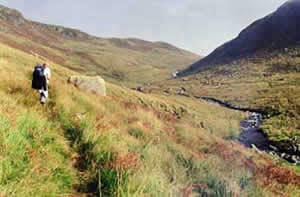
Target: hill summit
(130, 60)
(279, 30)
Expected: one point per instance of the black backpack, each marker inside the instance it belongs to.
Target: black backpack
(38, 78)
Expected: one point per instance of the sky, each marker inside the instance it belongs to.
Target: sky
(195, 25)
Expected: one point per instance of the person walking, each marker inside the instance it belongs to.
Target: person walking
(45, 89)
(40, 81)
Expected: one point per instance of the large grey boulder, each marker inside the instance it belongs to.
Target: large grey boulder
(95, 85)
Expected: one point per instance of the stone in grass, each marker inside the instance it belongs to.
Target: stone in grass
(95, 85)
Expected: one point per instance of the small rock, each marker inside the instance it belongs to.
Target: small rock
(296, 159)
(294, 148)
(175, 74)
(140, 89)
(273, 148)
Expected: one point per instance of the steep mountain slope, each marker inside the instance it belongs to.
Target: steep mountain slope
(278, 30)
(130, 61)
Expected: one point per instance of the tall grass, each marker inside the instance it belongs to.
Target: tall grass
(125, 144)
(34, 158)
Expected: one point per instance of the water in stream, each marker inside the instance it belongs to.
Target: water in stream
(252, 136)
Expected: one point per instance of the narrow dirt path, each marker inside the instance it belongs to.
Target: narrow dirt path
(82, 157)
(84, 160)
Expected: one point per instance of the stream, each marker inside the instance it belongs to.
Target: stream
(253, 137)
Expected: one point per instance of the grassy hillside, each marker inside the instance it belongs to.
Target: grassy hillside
(258, 69)
(270, 82)
(125, 144)
(127, 61)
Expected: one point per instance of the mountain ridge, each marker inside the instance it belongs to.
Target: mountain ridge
(17, 18)
(277, 30)
(132, 61)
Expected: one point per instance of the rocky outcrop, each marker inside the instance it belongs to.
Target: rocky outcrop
(64, 31)
(95, 85)
(11, 15)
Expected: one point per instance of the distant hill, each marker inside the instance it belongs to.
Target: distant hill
(278, 30)
(132, 61)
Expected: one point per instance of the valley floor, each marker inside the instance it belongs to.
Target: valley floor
(270, 84)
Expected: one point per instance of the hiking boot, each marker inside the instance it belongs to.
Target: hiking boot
(43, 100)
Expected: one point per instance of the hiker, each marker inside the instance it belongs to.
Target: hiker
(40, 80)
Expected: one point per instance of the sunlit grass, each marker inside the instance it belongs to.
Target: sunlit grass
(125, 144)
(271, 84)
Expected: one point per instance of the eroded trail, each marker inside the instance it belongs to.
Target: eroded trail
(84, 161)
(253, 137)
